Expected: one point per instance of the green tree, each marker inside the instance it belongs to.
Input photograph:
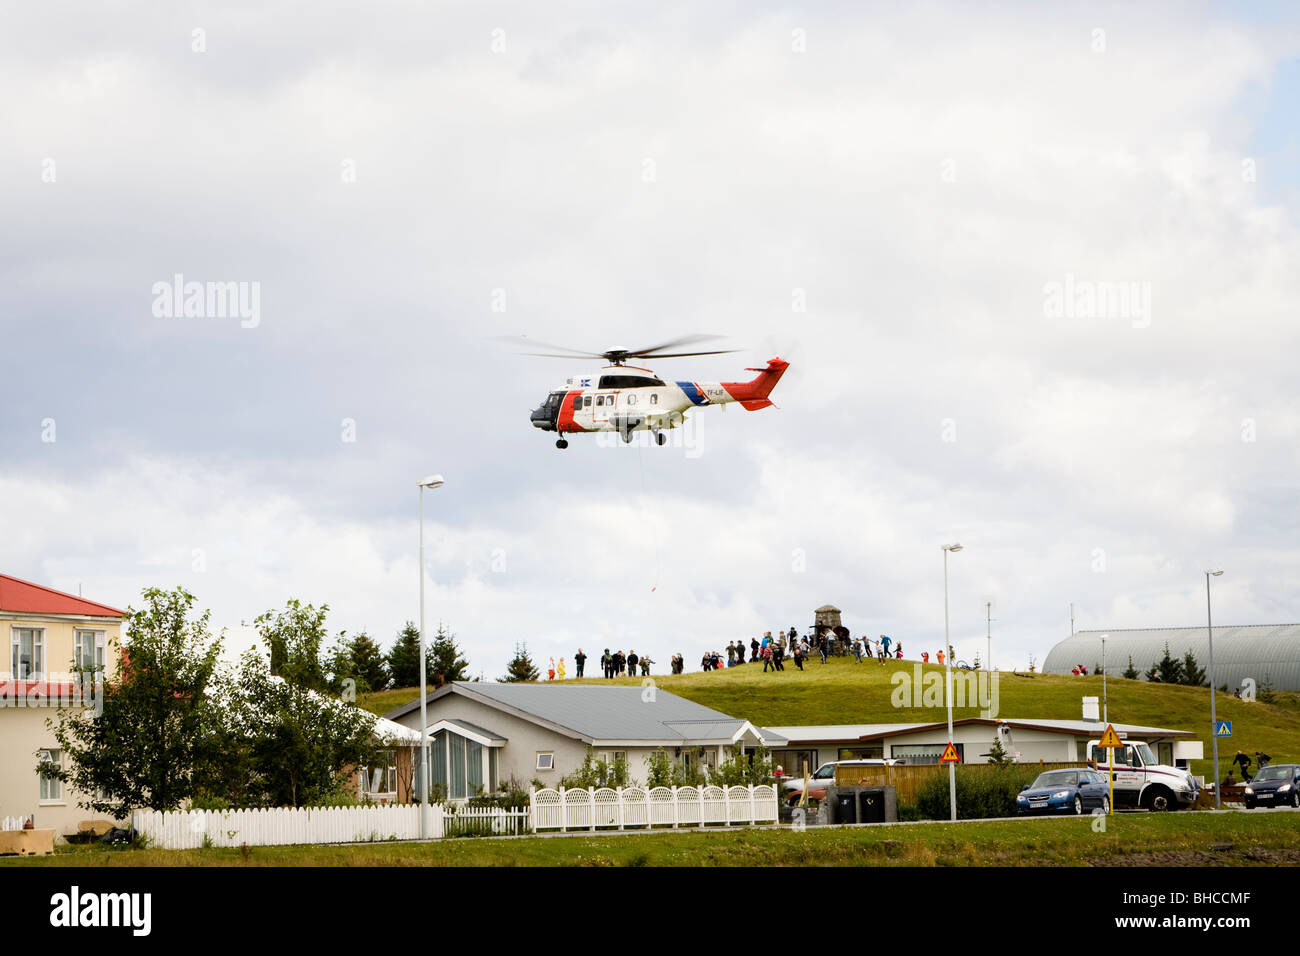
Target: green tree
(360, 659)
(998, 754)
(301, 744)
(445, 663)
(1193, 674)
(742, 768)
(1167, 670)
(294, 637)
(660, 768)
(155, 741)
(1130, 672)
(404, 657)
(521, 668)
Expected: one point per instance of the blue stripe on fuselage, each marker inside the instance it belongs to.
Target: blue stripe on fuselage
(694, 393)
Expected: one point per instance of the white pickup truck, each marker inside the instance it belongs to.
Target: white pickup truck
(1141, 780)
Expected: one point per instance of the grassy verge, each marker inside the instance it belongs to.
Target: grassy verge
(1129, 839)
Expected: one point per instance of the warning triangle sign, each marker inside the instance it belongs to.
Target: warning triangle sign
(1110, 740)
(950, 755)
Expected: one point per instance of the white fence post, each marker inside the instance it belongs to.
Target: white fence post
(619, 792)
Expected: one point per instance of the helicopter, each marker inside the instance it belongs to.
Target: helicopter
(626, 398)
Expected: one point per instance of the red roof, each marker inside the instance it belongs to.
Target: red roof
(27, 598)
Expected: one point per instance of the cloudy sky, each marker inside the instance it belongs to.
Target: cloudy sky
(1035, 270)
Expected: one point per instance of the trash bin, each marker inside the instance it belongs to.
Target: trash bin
(871, 805)
(846, 807)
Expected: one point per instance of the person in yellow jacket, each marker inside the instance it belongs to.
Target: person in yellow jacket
(561, 670)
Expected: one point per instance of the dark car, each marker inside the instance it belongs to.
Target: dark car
(1064, 791)
(1276, 785)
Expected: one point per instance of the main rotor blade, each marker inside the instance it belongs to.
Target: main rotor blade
(525, 340)
(594, 355)
(659, 355)
(684, 340)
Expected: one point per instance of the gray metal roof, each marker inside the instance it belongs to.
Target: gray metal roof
(600, 713)
(1259, 651)
(475, 729)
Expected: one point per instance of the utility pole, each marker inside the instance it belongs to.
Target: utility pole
(988, 620)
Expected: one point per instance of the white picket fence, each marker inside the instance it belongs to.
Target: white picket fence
(623, 807)
(189, 829)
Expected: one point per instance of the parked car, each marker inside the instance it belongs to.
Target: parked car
(825, 777)
(1064, 791)
(1274, 786)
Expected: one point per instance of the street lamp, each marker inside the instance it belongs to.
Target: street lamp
(433, 481)
(947, 660)
(1214, 736)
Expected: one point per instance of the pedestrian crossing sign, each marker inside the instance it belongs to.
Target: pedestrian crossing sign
(1110, 740)
(1223, 728)
(950, 755)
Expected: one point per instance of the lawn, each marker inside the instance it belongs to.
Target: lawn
(844, 692)
(1136, 839)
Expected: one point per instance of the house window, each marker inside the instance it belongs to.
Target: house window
(51, 786)
(88, 650)
(924, 753)
(545, 761)
(381, 780)
(28, 656)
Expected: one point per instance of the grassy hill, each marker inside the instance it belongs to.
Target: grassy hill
(843, 692)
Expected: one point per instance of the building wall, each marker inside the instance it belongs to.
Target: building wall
(22, 728)
(518, 758)
(524, 739)
(1033, 745)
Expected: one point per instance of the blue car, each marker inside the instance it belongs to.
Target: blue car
(1065, 791)
(1277, 785)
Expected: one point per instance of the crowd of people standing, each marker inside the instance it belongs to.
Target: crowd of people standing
(772, 652)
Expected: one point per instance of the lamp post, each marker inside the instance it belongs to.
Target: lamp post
(1214, 737)
(947, 686)
(433, 481)
(1105, 715)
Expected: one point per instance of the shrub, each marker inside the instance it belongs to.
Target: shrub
(981, 793)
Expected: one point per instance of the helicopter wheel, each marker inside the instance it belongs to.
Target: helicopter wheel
(661, 438)
(627, 435)
(561, 443)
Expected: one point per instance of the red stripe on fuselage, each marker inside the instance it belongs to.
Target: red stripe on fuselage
(564, 422)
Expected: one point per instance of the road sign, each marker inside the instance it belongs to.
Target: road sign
(950, 755)
(1110, 740)
(1223, 728)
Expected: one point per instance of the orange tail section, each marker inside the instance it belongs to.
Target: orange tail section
(753, 395)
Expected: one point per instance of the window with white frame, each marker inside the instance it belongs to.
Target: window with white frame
(88, 650)
(381, 780)
(545, 761)
(51, 786)
(28, 653)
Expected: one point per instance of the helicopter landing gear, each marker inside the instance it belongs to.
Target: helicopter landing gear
(627, 435)
(661, 438)
(561, 443)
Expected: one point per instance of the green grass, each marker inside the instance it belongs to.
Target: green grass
(1129, 839)
(843, 692)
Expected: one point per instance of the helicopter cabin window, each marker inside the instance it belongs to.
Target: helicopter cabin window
(629, 381)
(577, 402)
(586, 401)
(631, 399)
(600, 401)
(654, 398)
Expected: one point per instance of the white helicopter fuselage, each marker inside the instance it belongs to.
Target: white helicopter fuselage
(626, 399)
